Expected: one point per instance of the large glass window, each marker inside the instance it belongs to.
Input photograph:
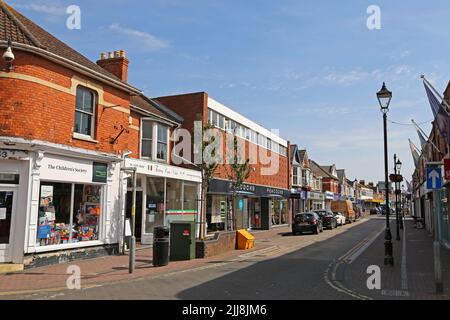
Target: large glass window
(190, 197)
(68, 213)
(84, 111)
(155, 204)
(147, 135)
(161, 149)
(174, 199)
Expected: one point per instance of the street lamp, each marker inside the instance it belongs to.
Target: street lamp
(397, 167)
(384, 97)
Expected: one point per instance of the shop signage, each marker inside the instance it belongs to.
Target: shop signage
(222, 186)
(99, 172)
(329, 195)
(6, 154)
(66, 169)
(163, 170)
(315, 195)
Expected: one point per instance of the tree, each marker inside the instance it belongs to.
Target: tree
(208, 166)
(240, 171)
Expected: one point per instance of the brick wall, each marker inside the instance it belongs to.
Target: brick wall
(44, 109)
(193, 107)
(224, 242)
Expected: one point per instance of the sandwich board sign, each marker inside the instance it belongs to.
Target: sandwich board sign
(434, 176)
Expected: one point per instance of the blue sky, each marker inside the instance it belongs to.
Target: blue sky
(308, 68)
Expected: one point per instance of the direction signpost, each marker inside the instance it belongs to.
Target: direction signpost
(434, 183)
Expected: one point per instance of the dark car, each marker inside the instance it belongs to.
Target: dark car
(329, 221)
(322, 213)
(307, 222)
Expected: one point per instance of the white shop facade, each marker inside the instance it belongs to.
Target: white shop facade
(55, 199)
(164, 193)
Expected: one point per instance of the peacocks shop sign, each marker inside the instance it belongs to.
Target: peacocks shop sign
(58, 168)
(222, 186)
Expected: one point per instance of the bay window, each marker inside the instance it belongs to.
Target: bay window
(154, 140)
(161, 151)
(147, 134)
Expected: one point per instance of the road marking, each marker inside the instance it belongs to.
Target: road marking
(349, 256)
(364, 247)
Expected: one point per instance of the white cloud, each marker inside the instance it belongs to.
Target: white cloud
(150, 41)
(48, 7)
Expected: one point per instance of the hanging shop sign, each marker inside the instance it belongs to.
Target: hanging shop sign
(329, 195)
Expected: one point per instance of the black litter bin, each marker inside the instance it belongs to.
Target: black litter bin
(161, 246)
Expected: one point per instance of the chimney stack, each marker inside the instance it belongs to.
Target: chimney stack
(115, 63)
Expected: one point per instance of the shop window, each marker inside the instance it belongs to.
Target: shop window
(190, 197)
(147, 135)
(155, 204)
(174, 196)
(216, 208)
(68, 213)
(161, 148)
(84, 112)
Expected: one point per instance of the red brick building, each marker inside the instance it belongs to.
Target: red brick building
(263, 200)
(66, 126)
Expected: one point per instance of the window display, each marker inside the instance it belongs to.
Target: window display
(68, 213)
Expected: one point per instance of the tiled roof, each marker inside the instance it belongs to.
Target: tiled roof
(19, 29)
(155, 108)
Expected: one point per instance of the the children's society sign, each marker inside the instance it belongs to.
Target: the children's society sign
(66, 169)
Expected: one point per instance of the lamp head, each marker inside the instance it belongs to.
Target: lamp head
(384, 97)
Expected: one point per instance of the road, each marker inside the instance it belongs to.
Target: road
(291, 267)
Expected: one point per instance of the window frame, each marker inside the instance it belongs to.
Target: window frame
(91, 135)
(151, 123)
(158, 141)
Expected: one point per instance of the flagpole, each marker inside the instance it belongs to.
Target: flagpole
(426, 136)
(436, 93)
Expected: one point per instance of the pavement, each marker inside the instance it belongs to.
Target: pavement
(110, 269)
(329, 266)
(411, 277)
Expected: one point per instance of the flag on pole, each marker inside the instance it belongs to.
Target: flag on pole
(415, 153)
(423, 140)
(408, 187)
(441, 115)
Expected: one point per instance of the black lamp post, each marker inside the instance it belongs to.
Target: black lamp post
(397, 167)
(384, 97)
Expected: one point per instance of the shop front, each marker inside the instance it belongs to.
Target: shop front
(14, 167)
(315, 201)
(255, 207)
(164, 193)
(72, 203)
(329, 197)
(297, 201)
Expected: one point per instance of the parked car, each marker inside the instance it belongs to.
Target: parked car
(340, 218)
(329, 221)
(307, 222)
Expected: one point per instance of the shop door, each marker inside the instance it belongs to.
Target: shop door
(7, 212)
(138, 221)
